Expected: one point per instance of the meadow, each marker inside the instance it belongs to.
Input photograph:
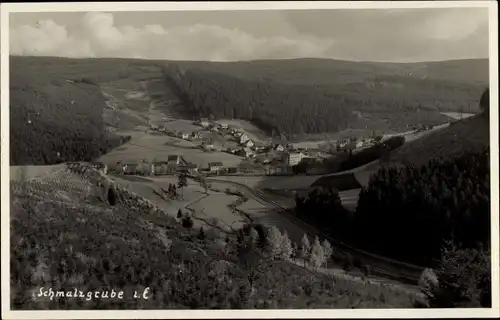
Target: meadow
(158, 147)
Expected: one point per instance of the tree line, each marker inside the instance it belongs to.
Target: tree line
(53, 123)
(289, 108)
(409, 213)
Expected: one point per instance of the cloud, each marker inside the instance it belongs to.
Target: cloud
(48, 39)
(100, 37)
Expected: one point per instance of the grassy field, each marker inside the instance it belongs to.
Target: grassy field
(207, 210)
(213, 211)
(159, 147)
(20, 173)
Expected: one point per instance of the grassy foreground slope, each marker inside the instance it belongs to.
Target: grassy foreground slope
(64, 234)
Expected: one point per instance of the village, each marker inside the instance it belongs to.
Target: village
(259, 158)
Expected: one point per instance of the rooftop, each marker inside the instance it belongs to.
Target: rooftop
(215, 164)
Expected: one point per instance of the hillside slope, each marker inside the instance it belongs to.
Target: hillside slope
(54, 118)
(64, 232)
(469, 135)
(331, 72)
(58, 104)
(383, 101)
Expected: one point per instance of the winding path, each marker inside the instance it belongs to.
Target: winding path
(380, 266)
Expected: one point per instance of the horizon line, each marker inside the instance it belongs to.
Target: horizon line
(254, 60)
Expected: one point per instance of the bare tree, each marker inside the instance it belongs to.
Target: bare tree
(286, 248)
(274, 243)
(317, 255)
(251, 258)
(327, 250)
(305, 249)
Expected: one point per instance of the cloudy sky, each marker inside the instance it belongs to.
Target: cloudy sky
(399, 35)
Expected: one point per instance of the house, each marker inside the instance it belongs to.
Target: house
(160, 167)
(171, 168)
(279, 147)
(232, 170)
(244, 138)
(208, 147)
(100, 166)
(280, 170)
(175, 159)
(191, 168)
(130, 168)
(224, 126)
(249, 144)
(204, 123)
(249, 152)
(215, 166)
(355, 143)
(244, 152)
(237, 134)
(185, 135)
(293, 158)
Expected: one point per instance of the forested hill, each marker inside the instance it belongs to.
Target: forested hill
(285, 108)
(374, 96)
(54, 118)
(330, 71)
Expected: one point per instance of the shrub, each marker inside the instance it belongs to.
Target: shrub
(187, 222)
(348, 263)
(112, 196)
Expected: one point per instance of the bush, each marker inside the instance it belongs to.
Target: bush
(348, 263)
(112, 196)
(187, 222)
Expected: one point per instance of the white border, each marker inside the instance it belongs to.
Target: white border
(262, 314)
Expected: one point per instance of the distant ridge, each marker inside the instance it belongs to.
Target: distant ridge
(468, 135)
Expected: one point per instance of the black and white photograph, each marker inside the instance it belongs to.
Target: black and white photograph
(250, 159)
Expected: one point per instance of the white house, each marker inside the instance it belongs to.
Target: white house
(174, 159)
(294, 158)
(208, 146)
(204, 123)
(249, 144)
(342, 143)
(244, 152)
(244, 138)
(249, 152)
(279, 147)
(355, 143)
(215, 166)
(185, 135)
